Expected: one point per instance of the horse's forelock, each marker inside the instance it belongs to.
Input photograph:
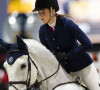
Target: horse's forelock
(22, 60)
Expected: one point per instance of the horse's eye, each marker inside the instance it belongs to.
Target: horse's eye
(23, 66)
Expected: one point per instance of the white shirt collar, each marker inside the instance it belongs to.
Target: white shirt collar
(53, 24)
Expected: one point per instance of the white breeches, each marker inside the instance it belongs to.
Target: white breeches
(89, 77)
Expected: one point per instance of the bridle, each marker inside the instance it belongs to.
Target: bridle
(27, 82)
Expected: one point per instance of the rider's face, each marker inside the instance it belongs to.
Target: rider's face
(44, 15)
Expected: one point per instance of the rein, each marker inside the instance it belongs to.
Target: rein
(71, 83)
(27, 82)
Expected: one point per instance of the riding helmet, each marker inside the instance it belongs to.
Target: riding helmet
(41, 4)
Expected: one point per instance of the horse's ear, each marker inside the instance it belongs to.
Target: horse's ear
(21, 44)
(4, 46)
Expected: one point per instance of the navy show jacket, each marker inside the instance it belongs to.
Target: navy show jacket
(65, 39)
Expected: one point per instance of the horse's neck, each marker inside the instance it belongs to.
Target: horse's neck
(47, 65)
(60, 77)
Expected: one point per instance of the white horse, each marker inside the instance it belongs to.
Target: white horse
(42, 65)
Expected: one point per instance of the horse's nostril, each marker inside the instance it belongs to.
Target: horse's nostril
(23, 66)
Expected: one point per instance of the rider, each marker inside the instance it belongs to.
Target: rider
(60, 34)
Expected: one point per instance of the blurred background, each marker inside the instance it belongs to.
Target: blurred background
(17, 18)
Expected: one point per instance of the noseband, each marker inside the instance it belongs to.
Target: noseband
(36, 85)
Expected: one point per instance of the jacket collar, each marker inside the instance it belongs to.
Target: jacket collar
(58, 21)
(57, 27)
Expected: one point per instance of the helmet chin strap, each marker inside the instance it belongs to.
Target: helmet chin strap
(51, 15)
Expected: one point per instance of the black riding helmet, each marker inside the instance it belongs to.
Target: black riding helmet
(41, 4)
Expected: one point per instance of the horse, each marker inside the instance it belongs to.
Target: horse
(31, 66)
